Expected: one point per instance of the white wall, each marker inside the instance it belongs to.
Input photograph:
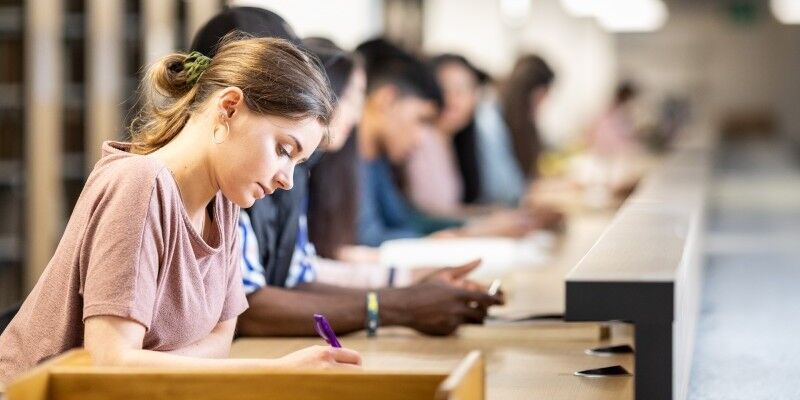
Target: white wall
(719, 65)
(581, 53)
(346, 22)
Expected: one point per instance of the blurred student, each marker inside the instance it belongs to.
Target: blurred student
(281, 272)
(521, 98)
(402, 106)
(614, 133)
(616, 153)
(443, 172)
(147, 272)
(468, 168)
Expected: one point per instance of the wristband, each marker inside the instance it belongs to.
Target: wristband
(373, 321)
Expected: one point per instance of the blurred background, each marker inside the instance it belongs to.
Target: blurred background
(69, 70)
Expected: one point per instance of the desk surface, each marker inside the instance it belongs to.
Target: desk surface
(533, 360)
(517, 366)
(541, 289)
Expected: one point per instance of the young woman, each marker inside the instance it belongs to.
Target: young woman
(147, 272)
(521, 98)
(443, 173)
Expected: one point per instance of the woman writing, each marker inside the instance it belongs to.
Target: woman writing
(147, 272)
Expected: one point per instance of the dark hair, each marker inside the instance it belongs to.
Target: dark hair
(337, 63)
(449, 58)
(333, 181)
(275, 76)
(388, 64)
(254, 21)
(465, 140)
(625, 92)
(465, 144)
(530, 73)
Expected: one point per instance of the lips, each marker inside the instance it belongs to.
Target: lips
(264, 191)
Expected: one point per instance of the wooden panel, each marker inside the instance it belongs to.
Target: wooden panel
(104, 80)
(35, 384)
(44, 55)
(128, 384)
(71, 376)
(466, 382)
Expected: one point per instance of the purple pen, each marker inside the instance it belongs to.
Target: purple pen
(325, 331)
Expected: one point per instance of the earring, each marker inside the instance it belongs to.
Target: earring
(227, 131)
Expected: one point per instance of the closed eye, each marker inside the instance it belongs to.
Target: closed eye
(284, 150)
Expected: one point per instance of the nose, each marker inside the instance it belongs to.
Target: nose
(285, 178)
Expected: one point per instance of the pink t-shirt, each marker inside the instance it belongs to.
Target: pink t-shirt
(129, 250)
(432, 177)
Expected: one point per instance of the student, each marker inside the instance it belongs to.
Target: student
(521, 98)
(403, 103)
(333, 182)
(280, 269)
(147, 272)
(614, 133)
(443, 173)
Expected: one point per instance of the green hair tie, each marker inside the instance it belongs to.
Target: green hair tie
(194, 66)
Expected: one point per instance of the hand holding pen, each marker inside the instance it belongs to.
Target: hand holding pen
(324, 357)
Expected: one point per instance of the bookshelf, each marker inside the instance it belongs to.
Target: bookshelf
(11, 149)
(49, 141)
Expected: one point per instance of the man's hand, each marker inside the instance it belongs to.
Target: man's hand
(435, 308)
(453, 276)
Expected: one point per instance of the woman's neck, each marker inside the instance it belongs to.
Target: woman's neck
(186, 157)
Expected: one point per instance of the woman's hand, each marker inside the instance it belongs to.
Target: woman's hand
(321, 357)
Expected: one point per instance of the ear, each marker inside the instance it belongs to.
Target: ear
(229, 101)
(385, 96)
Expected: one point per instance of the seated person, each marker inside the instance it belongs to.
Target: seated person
(147, 272)
(278, 261)
(402, 106)
(443, 173)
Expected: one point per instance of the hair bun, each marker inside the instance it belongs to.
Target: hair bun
(175, 66)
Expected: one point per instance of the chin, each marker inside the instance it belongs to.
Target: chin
(245, 201)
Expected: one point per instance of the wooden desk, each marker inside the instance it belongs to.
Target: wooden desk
(540, 289)
(521, 363)
(646, 268)
(534, 360)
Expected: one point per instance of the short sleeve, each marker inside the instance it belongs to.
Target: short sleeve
(235, 300)
(121, 251)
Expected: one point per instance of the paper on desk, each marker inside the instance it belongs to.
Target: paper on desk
(500, 255)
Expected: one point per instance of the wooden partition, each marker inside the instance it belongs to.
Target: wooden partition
(71, 377)
(646, 269)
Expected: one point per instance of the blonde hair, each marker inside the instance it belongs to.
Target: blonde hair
(275, 76)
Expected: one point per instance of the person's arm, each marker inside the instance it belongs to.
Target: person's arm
(288, 312)
(216, 345)
(428, 224)
(115, 341)
(431, 307)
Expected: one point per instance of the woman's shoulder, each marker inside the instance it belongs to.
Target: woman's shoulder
(119, 165)
(122, 173)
